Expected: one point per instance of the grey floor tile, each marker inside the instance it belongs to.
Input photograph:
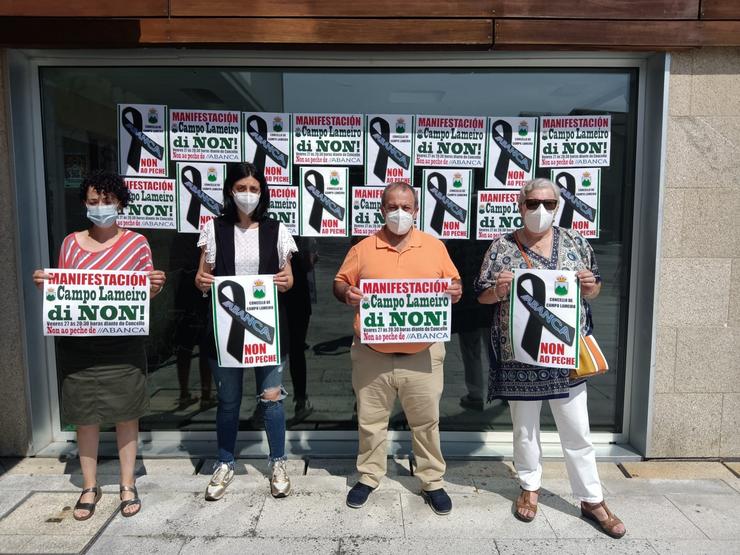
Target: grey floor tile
(110, 544)
(278, 545)
(326, 515)
(189, 514)
(653, 517)
(417, 546)
(348, 467)
(26, 483)
(665, 487)
(58, 545)
(255, 468)
(473, 516)
(718, 516)
(579, 546)
(9, 499)
(696, 547)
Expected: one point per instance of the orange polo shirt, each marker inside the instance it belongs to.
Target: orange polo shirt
(423, 257)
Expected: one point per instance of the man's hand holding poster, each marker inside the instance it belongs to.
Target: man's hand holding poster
(96, 303)
(408, 311)
(245, 321)
(544, 317)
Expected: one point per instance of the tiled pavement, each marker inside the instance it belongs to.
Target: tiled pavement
(668, 507)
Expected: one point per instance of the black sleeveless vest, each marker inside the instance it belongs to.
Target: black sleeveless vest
(267, 237)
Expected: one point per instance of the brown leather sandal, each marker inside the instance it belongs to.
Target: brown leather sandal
(135, 502)
(89, 507)
(608, 524)
(523, 502)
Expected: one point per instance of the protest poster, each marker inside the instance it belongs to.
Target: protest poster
(86, 303)
(510, 154)
(327, 139)
(408, 311)
(388, 148)
(366, 216)
(323, 202)
(498, 214)
(267, 138)
(284, 206)
(151, 204)
(445, 203)
(200, 195)
(245, 321)
(574, 141)
(544, 317)
(205, 135)
(142, 140)
(580, 199)
(449, 141)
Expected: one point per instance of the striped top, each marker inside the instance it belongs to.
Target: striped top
(130, 252)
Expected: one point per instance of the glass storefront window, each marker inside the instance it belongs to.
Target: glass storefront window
(79, 125)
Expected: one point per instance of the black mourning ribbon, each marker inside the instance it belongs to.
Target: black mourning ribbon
(572, 202)
(443, 202)
(314, 183)
(380, 132)
(139, 139)
(257, 130)
(198, 198)
(508, 151)
(539, 316)
(241, 320)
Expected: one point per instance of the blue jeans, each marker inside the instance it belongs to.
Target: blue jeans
(229, 383)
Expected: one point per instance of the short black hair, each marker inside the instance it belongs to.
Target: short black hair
(234, 172)
(105, 183)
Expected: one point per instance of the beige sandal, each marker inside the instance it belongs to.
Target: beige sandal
(608, 524)
(523, 502)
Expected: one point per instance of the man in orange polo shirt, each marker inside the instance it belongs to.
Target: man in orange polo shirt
(411, 371)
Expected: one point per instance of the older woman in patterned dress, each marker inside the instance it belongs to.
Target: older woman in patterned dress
(546, 247)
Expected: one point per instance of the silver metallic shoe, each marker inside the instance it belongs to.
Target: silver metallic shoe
(279, 482)
(223, 475)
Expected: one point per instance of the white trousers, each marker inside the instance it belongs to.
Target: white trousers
(571, 419)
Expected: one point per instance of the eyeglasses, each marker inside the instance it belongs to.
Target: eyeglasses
(534, 204)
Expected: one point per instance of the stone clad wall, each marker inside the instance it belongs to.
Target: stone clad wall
(696, 409)
(14, 418)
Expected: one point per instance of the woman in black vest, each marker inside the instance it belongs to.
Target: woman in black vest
(244, 241)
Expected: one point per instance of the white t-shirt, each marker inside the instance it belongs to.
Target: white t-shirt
(246, 247)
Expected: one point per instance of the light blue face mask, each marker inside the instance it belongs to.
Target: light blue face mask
(102, 215)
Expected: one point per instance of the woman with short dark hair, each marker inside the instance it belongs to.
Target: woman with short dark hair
(244, 241)
(103, 379)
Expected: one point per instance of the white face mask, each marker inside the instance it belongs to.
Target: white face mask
(247, 202)
(399, 221)
(538, 221)
(102, 215)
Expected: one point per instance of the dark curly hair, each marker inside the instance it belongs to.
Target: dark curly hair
(105, 183)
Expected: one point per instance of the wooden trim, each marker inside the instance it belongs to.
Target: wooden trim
(720, 9)
(333, 8)
(68, 33)
(599, 9)
(310, 31)
(626, 35)
(84, 8)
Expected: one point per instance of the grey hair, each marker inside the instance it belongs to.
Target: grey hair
(535, 184)
(399, 185)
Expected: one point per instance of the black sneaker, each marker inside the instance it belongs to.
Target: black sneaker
(438, 500)
(358, 495)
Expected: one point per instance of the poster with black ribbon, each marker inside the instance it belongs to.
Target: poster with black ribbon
(245, 321)
(142, 140)
(389, 145)
(284, 206)
(367, 218)
(267, 144)
(200, 194)
(151, 204)
(445, 202)
(324, 201)
(205, 135)
(328, 139)
(511, 152)
(449, 141)
(544, 316)
(498, 214)
(580, 199)
(575, 141)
